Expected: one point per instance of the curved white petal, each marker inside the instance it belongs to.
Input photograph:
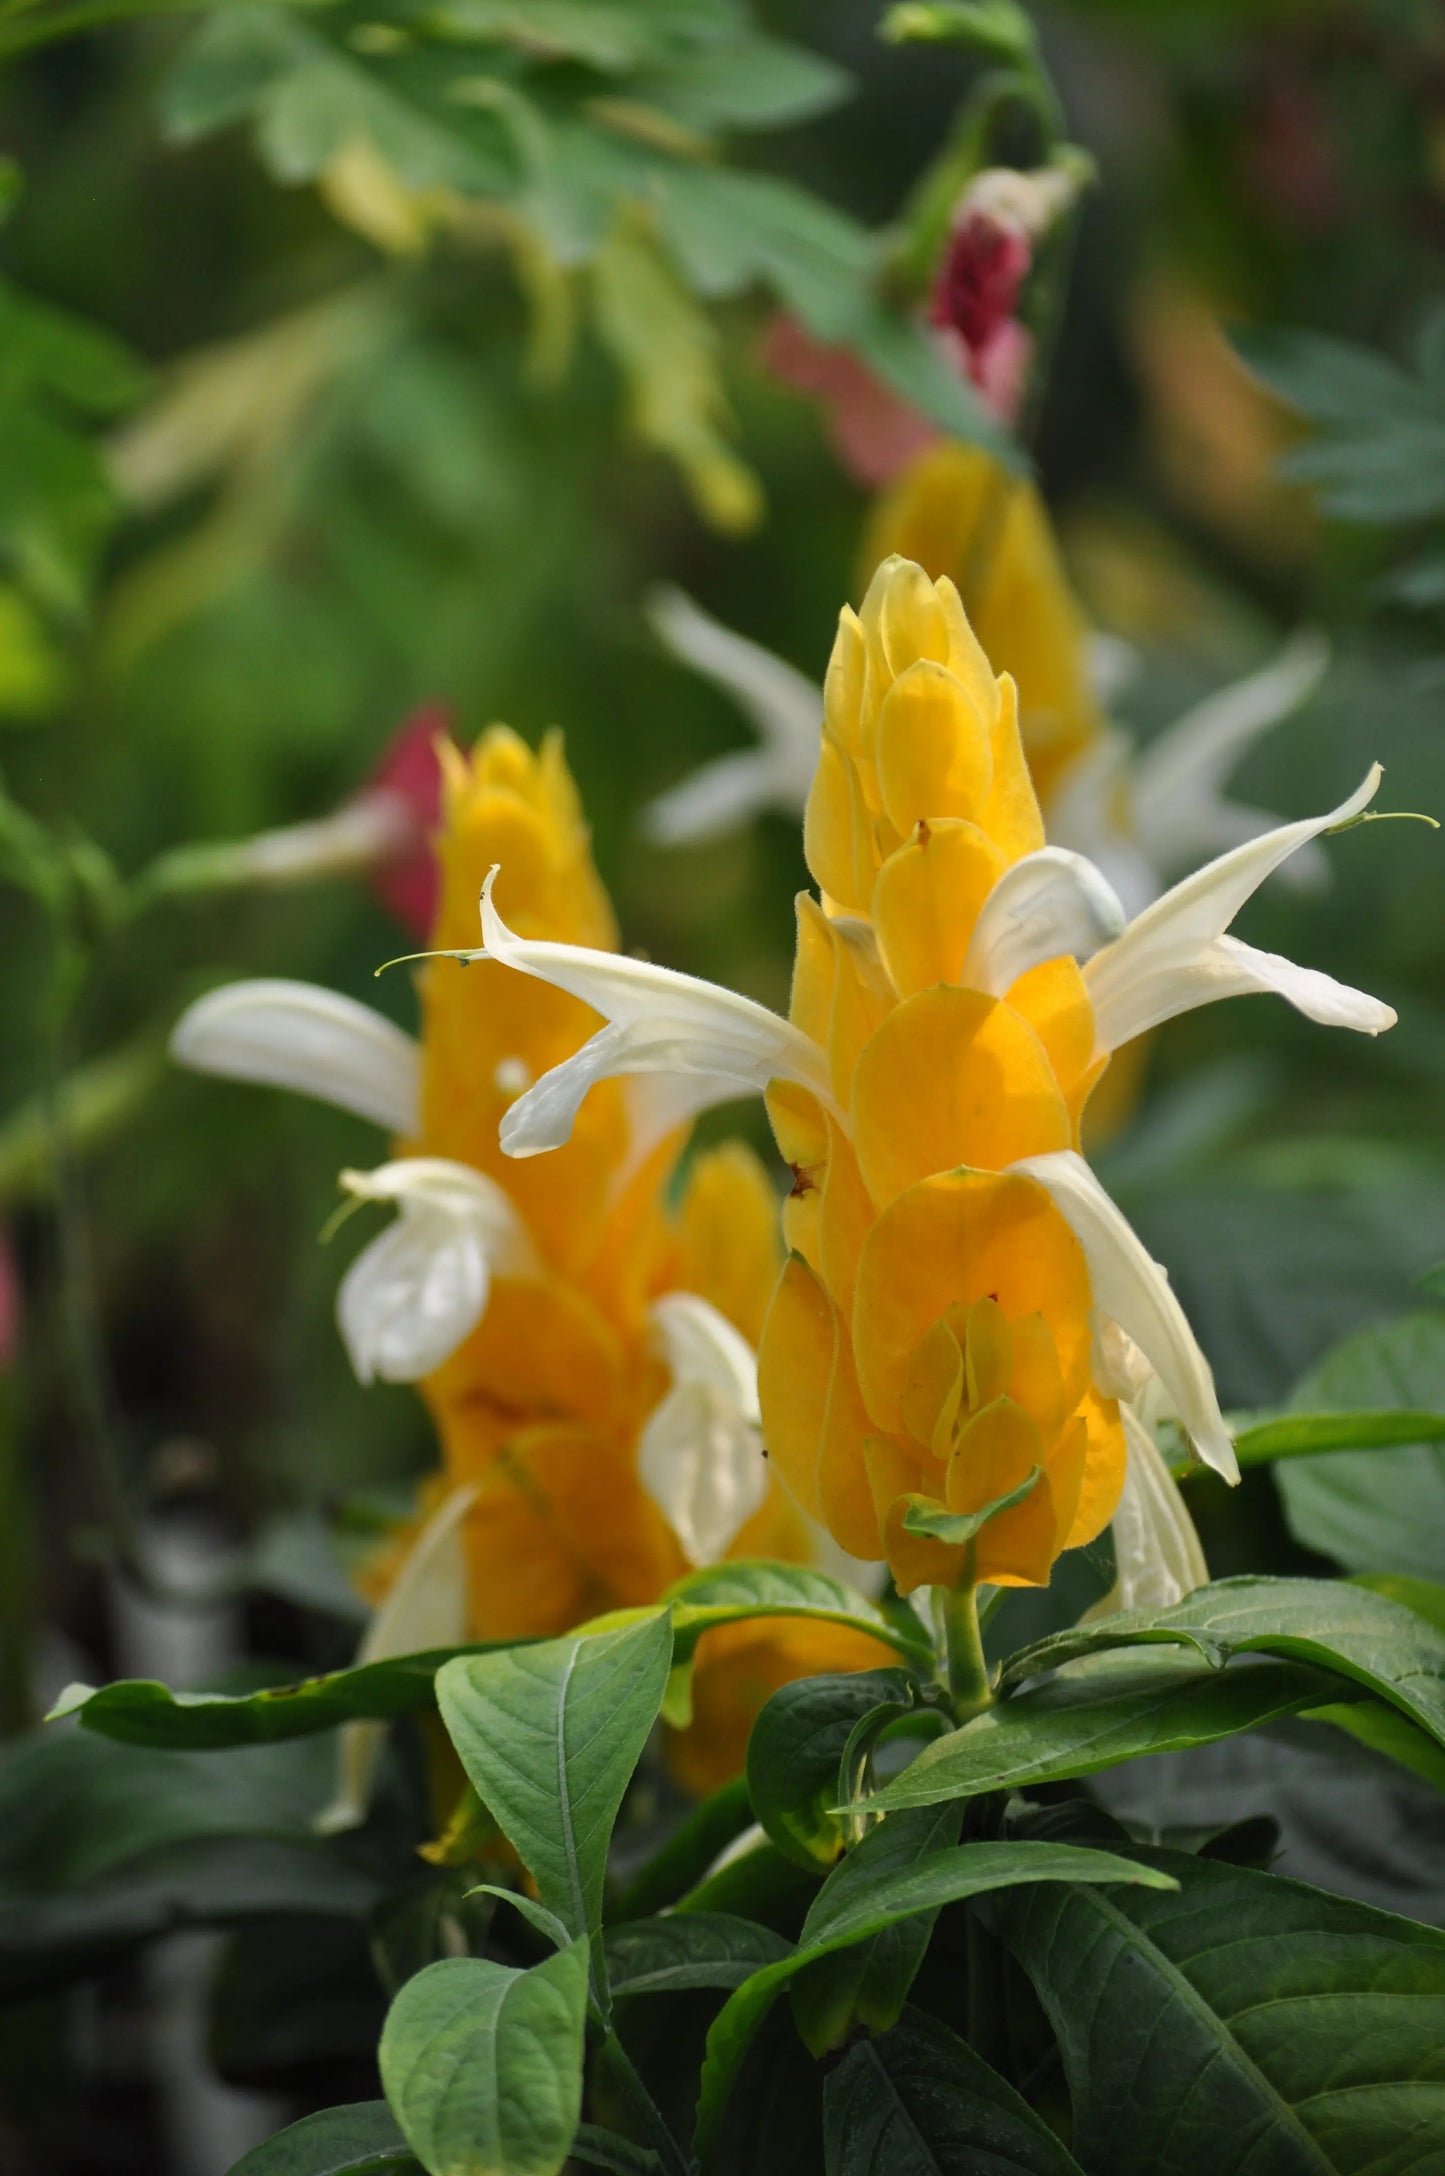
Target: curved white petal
(410, 1298)
(1230, 968)
(298, 1035)
(718, 799)
(1223, 824)
(1089, 812)
(1179, 776)
(1158, 1558)
(700, 1456)
(1169, 958)
(658, 1022)
(1049, 903)
(784, 706)
(1134, 1289)
(426, 1608)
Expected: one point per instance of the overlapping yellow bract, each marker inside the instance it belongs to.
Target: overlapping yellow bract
(930, 1334)
(542, 1406)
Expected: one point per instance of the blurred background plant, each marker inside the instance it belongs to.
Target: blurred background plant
(359, 358)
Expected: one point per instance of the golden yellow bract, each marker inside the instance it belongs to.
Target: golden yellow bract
(541, 1408)
(930, 1337)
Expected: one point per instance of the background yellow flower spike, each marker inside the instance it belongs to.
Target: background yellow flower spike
(929, 1343)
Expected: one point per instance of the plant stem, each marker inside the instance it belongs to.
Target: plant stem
(968, 1678)
(645, 2108)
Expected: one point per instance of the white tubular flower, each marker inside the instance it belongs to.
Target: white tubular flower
(783, 704)
(1158, 1558)
(659, 1022)
(426, 1608)
(410, 1298)
(1176, 955)
(1049, 903)
(1179, 804)
(700, 1456)
(1133, 1290)
(297, 1035)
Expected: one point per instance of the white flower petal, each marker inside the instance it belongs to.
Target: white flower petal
(298, 1035)
(426, 1608)
(784, 706)
(659, 1022)
(1158, 1558)
(413, 1295)
(1049, 903)
(700, 1456)
(1134, 1289)
(1230, 968)
(1088, 812)
(1169, 958)
(1179, 777)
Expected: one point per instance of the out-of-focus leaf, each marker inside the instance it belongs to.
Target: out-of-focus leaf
(1377, 1510)
(919, 2102)
(1269, 2012)
(103, 1846)
(33, 674)
(1380, 451)
(667, 351)
(482, 2065)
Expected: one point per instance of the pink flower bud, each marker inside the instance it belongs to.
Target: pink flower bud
(977, 288)
(408, 781)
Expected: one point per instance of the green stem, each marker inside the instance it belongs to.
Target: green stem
(968, 1678)
(644, 2108)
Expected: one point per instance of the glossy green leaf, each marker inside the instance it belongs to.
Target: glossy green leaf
(688, 1949)
(796, 1752)
(903, 1867)
(1101, 1711)
(550, 1735)
(1377, 1510)
(919, 2102)
(482, 2065)
(1239, 2021)
(955, 1528)
(140, 1712)
(731, 1593)
(361, 2139)
(1331, 1624)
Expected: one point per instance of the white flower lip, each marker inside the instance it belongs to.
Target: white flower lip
(1176, 954)
(658, 1022)
(297, 1035)
(1158, 1558)
(413, 1295)
(700, 1455)
(781, 703)
(1049, 903)
(426, 1608)
(1132, 1288)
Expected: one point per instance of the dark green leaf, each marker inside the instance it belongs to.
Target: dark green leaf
(920, 2102)
(690, 1849)
(1306, 1435)
(688, 1949)
(1330, 1624)
(362, 2139)
(1101, 1711)
(889, 1878)
(954, 1528)
(796, 1751)
(1238, 2021)
(1376, 1510)
(550, 1736)
(143, 1713)
(596, 2148)
(483, 2065)
(729, 1593)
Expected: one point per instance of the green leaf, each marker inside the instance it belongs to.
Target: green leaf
(796, 1751)
(483, 2065)
(686, 1854)
(1377, 1510)
(688, 1949)
(361, 2139)
(542, 1922)
(1307, 1435)
(901, 1868)
(1331, 1624)
(1381, 445)
(957, 1527)
(597, 2148)
(102, 1847)
(550, 1736)
(141, 1712)
(1238, 2021)
(748, 83)
(920, 2102)
(1099, 1712)
(730, 1593)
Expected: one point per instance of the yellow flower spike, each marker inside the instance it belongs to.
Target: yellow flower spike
(927, 899)
(729, 1235)
(862, 999)
(845, 1493)
(934, 757)
(1054, 998)
(988, 1347)
(998, 1450)
(844, 1218)
(933, 1389)
(1011, 814)
(837, 831)
(897, 1474)
(795, 1368)
(974, 1081)
(1035, 1379)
